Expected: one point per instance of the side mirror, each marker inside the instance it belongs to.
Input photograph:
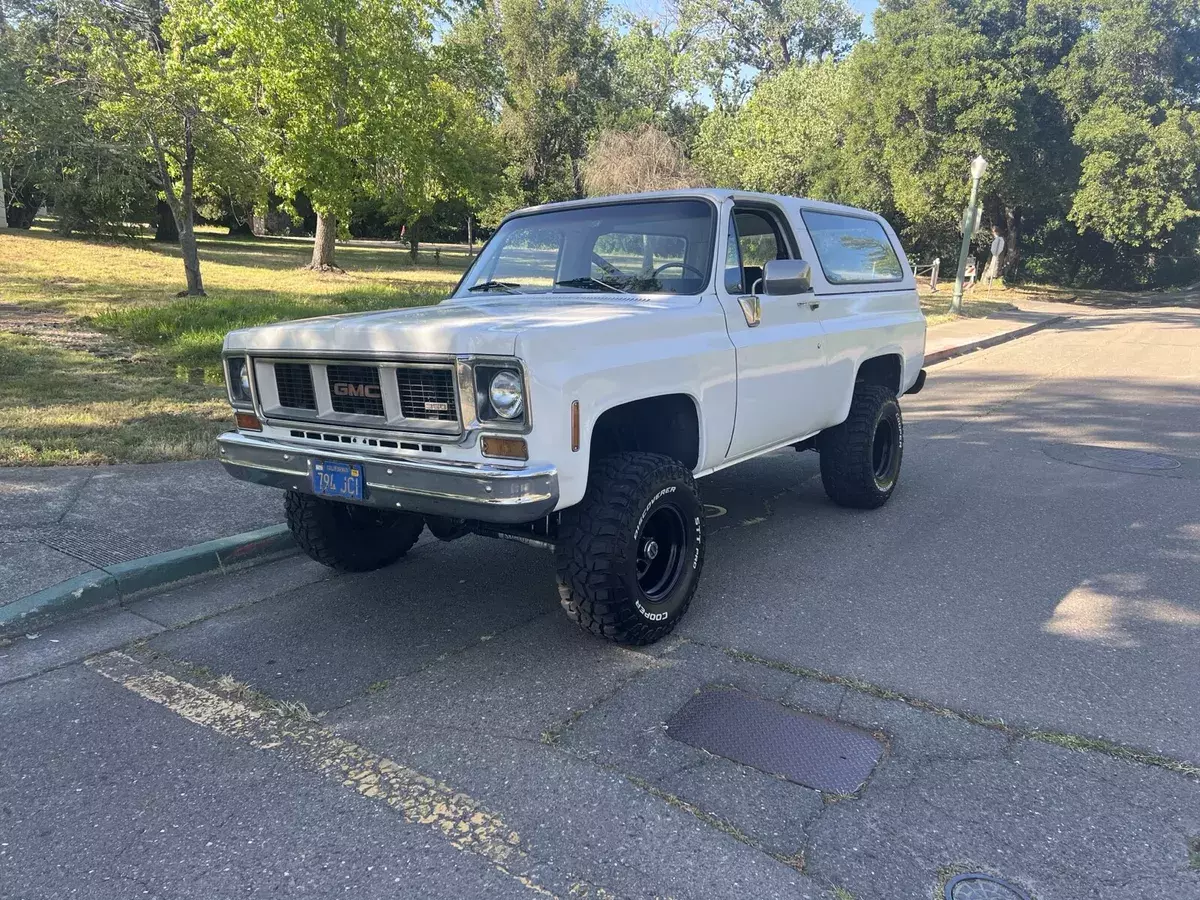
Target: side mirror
(782, 277)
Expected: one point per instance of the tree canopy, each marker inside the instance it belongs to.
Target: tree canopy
(420, 114)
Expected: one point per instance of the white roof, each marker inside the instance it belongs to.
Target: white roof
(716, 195)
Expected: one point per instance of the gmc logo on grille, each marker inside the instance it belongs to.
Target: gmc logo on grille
(345, 389)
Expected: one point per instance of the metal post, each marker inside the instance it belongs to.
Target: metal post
(968, 229)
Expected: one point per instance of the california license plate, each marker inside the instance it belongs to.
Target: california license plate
(342, 481)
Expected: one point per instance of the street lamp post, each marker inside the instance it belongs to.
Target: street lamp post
(978, 167)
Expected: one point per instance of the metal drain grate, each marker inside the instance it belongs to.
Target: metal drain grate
(803, 748)
(98, 548)
(976, 886)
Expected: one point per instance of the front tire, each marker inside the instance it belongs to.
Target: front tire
(860, 458)
(350, 538)
(631, 552)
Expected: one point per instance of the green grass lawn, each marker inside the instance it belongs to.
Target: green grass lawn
(100, 362)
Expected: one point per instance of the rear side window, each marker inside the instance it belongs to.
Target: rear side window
(852, 250)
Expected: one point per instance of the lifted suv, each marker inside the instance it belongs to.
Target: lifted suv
(595, 360)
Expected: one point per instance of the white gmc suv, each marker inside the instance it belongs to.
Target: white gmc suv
(596, 359)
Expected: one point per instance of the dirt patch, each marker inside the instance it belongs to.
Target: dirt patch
(60, 330)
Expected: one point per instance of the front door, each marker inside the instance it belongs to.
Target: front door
(781, 391)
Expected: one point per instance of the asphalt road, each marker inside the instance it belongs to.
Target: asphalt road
(1018, 627)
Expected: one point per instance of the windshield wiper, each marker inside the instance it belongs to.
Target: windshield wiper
(509, 287)
(588, 281)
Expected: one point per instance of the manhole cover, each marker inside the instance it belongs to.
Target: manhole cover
(803, 748)
(974, 886)
(1114, 459)
(1133, 459)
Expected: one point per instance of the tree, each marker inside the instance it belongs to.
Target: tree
(557, 64)
(161, 74)
(785, 136)
(1131, 89)
(642, 159)
(654, 78)
(345, 97)
(49, 151)
(737, 41)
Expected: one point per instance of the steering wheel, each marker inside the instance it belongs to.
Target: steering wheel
(677, 265)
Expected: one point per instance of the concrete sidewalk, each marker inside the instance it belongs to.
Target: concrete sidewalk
(63, 524)
(66, 531)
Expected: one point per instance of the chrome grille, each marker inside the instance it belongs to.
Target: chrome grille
(427, 394)
(294, 383)
(355, 390)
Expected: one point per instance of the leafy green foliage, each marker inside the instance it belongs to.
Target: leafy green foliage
(48, 150)
(737, 41)
(558, 68)
(1086, 113)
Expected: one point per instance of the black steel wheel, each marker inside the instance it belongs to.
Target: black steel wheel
(630, 554)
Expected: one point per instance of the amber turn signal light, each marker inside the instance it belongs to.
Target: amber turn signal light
(248, 421)
(505, 447)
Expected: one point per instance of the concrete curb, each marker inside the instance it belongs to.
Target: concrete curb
(114, 584)
(983, 343)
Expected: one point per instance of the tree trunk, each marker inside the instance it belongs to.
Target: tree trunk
(3, 208)
(470, 237)
(322, 256)
(191, 259)
(165, 229)
(414, 239)
(1012, 241)
(185, 214)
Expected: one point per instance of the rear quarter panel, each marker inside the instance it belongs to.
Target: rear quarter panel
(863, 321)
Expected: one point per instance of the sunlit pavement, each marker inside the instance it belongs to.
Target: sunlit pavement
(1019, 627)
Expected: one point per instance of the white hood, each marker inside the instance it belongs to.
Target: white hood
(480, 326)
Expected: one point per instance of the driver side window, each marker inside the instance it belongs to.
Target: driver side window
(759, 240)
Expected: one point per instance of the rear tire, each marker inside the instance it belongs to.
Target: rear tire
(860, 459)
(631, 552)
(350, 538)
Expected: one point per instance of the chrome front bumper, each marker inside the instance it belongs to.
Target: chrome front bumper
(481, 491)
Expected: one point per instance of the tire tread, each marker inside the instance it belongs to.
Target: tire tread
(846, 464)
(590, 543)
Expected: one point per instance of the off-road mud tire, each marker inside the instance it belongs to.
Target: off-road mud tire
(601, 544)
(347, 537)
(852, 471)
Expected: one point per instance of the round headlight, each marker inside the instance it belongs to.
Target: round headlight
(507, 394)
(239, 379)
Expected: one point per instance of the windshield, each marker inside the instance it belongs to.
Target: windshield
(658, 246)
